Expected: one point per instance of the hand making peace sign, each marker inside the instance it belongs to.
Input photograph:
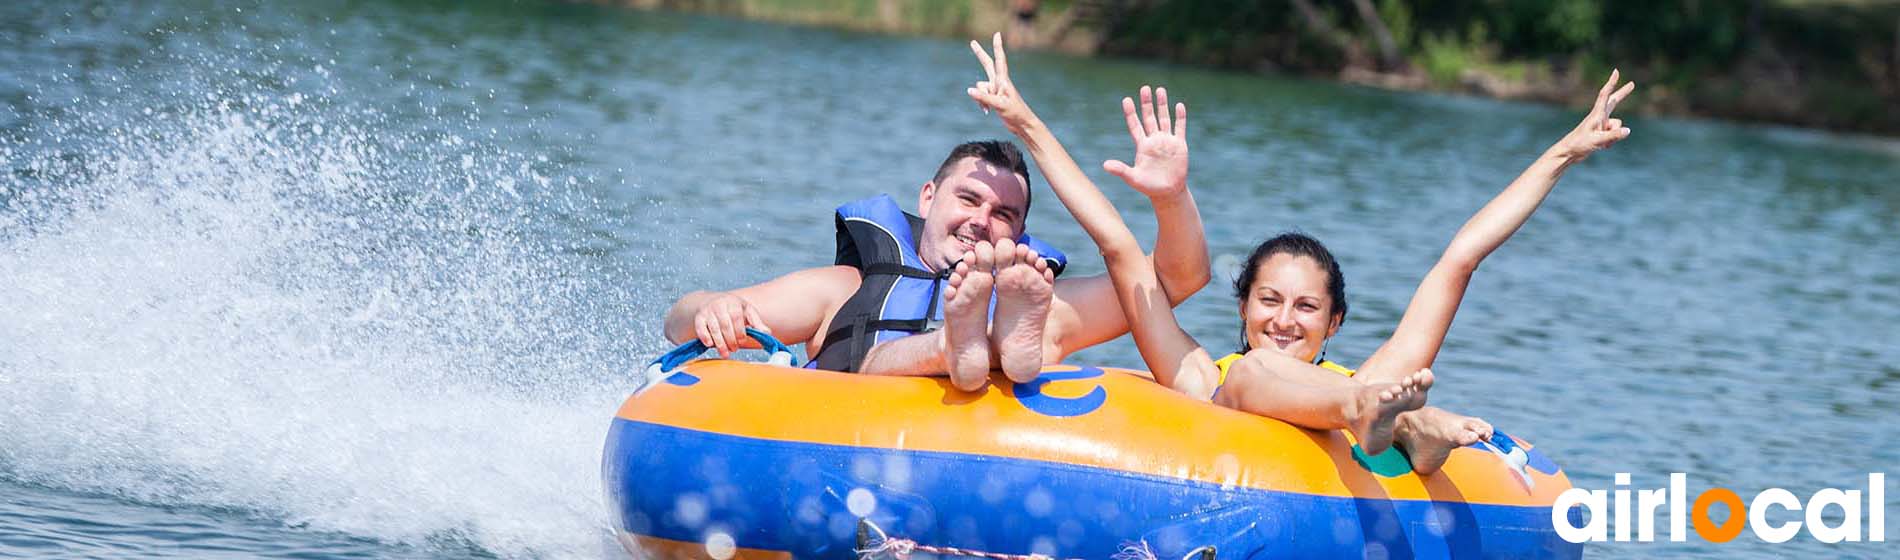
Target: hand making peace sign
(1599, 130)
(998, 93)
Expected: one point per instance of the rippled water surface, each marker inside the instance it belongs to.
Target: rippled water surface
(367, 279)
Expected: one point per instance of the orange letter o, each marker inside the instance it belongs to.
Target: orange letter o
(1708, 529)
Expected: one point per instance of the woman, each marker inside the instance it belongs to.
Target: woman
(1292, 294)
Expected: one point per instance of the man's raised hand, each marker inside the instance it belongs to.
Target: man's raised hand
(1161, 151)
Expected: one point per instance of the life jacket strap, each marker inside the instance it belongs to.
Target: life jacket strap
(899, 270)
(856, 327)
(862, 331)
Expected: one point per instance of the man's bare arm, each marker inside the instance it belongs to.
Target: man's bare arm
(918, 355)
(1160, 172)
(791, 308)
(1180, 256)
(1085, 311)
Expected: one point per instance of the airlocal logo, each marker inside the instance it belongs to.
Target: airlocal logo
(1647, 501)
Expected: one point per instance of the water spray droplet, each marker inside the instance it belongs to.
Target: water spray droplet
(861, 502)
(720, 546)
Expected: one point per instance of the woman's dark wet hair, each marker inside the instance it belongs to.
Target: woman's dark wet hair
(1298, 245)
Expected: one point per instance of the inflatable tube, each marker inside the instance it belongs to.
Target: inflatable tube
(726, 459)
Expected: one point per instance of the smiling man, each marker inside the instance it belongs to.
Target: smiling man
(958, 291)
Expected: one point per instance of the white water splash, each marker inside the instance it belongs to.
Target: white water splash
(273, 306)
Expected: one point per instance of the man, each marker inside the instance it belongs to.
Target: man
(971, 226)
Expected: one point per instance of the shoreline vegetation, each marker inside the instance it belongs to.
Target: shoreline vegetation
(1828, 64)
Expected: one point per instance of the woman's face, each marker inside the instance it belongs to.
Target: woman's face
(1288, 308)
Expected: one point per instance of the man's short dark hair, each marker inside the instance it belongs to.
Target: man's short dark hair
(1000, 153)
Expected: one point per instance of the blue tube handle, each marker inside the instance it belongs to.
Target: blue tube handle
(692, 349)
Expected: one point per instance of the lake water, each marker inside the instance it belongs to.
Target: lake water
(368, 279)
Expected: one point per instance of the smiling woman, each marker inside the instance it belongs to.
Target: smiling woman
(1292, 296)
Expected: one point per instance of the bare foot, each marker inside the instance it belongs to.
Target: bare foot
(1378, 408)
(966, 352)
(1024, 285)
(1431, 433)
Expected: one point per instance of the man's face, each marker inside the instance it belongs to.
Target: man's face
(975, 201)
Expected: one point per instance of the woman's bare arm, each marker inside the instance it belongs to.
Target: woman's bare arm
(1421, 331)
(1176, 360)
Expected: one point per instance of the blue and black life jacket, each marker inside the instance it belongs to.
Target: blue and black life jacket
(898, 295)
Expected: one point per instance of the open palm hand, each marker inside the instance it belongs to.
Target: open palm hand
(1161, 150)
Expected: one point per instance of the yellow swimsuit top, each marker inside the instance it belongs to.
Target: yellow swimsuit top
(1229, 360)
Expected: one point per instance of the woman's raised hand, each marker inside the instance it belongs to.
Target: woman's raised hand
(1161, 151)
(998, 93)
(1599, 130)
